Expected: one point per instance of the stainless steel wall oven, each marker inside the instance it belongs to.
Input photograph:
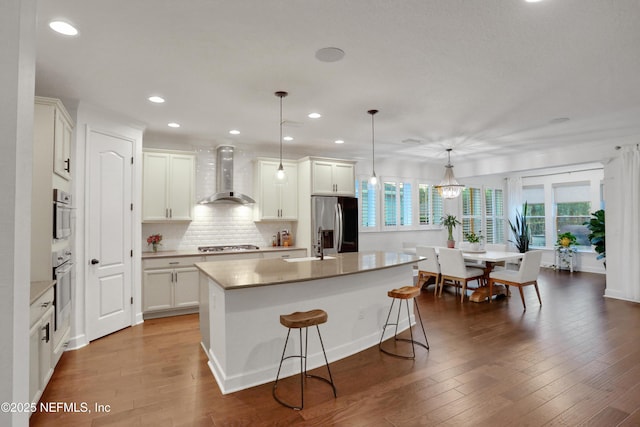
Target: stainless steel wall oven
(61, 214)
(62, 268)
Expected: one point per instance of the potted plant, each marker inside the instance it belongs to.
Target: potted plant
(474, 240)
(566, 240)
(596, 237)
(520, 230)
(450, 221)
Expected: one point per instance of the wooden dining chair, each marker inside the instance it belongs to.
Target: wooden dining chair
(428, 267)
(452, 268)
(525, 276)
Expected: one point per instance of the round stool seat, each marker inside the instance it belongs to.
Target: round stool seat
(405, 292)
(303, 319)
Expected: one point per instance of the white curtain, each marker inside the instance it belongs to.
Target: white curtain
(514, 203)
(630, 210)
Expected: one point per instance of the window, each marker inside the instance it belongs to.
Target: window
(573, 207)
(534, 196)
(367, 195)
(483, 212)
(472, 210)
(430, 205)
(494, 215)
(390, 208)
(406, 213)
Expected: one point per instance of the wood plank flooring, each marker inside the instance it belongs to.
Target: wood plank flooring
(575, 360)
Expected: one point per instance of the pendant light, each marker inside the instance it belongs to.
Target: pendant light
(449, 187)
(373, 180)
(281, 176)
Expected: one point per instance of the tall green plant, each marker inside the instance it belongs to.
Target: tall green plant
(596, 237)
(450, 221)
(520, 230)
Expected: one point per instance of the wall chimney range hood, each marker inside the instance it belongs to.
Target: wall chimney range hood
(224, 180)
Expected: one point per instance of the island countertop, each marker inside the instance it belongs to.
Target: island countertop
(240, 274)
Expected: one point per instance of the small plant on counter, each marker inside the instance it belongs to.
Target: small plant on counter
(154, 240)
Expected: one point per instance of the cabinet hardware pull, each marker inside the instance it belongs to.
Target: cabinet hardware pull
(46, 333)
(166, 212)
(170, 213)
(174, 262)
(94, 261)
(68, 167)
(45, 304)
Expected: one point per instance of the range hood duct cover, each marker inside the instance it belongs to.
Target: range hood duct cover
(224, 180)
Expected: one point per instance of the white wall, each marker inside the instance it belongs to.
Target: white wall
(17, 49)
(617, 286)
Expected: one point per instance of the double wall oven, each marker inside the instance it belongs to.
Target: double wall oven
(62, 260)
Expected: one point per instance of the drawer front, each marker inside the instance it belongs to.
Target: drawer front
(40, 306)
(186, 261)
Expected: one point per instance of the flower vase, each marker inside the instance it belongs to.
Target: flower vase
(154, 246)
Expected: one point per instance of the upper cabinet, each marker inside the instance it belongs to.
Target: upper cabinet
(332, 177)
(168, 186)
(62, 144)
(54, 128)
(275, 201)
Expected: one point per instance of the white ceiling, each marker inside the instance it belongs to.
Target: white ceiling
(483, 76)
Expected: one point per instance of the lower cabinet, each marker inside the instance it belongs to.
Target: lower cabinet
(41, 361)
(170, 290)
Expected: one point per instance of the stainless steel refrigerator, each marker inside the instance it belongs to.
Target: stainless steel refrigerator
(337, 217)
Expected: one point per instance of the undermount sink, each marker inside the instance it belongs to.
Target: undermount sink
(308, 258)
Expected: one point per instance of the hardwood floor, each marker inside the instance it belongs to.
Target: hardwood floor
(575, 360)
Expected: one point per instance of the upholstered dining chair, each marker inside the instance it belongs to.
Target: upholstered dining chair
(428, 267)
(452, 268)
(525, 276)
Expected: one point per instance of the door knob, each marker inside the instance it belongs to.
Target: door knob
(94, 261)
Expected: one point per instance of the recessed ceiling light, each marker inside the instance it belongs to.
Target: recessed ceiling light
(329, 54)
(156, 99)
(173, 125)
(339, 141)
(63, 28)
(314, 115)
(234, 132)
(288, 138)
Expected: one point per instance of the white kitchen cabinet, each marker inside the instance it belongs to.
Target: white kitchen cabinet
(273, 201)
(41, 345)
(332, 177)
(170, 286)
(168, 186)
(62, 143)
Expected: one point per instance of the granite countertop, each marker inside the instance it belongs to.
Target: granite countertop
(39, 288)
(195, 252)
(240, 274)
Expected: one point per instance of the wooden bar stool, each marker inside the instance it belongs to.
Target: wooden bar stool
(303, 320)
(405, 293)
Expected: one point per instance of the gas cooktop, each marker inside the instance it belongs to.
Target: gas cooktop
(227, 248)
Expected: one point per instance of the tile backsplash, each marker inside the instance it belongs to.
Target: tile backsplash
(216, 224)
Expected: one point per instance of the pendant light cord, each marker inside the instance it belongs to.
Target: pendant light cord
(281, 94)
(373, 142)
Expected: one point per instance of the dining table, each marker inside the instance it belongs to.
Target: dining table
(490, 258)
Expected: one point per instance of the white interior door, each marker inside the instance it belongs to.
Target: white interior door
(109, 221)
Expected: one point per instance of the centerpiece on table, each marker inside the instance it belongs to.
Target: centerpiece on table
(154, 240)
(475, 240)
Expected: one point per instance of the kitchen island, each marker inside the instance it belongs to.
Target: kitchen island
(241, 303)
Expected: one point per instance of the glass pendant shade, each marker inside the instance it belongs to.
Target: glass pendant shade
(449, 187)
(280, 177)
